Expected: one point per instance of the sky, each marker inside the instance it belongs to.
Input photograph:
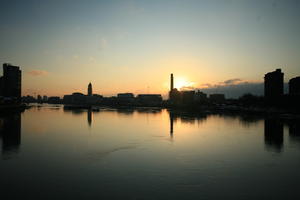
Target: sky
(133, 46)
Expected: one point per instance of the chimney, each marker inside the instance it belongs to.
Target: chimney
(172, 82)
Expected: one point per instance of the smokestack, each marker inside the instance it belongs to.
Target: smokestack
(172, 82)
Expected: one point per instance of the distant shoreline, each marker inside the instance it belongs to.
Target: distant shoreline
(220, 109)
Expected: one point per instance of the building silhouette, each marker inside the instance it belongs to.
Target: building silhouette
(45, 98)
(217, 98)
(39, 99)
(149, 99)
(174, 94)
(273, 84)
(10, 82)
(125, 95)
(187, 97)
(78, 98)
(294, 86)
(171, 92)
(74, 98)
(125, 98)
(54, 100)
(90, 90)
(200, 96)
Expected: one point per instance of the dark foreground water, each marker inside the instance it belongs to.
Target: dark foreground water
(52, 153)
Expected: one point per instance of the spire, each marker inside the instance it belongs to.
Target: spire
(90, 90)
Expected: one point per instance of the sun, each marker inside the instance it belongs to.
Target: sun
(180, 83)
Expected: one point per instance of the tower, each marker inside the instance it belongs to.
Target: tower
(174, 95)
(90, 90)
(172, 83)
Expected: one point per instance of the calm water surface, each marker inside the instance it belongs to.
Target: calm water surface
(51, 153)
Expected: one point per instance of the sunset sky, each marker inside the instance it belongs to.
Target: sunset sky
(133, 46)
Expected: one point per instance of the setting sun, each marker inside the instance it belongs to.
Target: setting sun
(181, 83)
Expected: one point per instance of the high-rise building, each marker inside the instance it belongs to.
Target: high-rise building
(90, 90)
(10, 85)
(274, 84)
(294, 86)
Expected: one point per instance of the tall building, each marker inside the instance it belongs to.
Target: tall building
(294, 86)
(90, 90)
(10, 85)
(274, 84)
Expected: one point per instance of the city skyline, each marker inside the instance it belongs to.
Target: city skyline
(238, 88)
(133, 46)
(150, 99)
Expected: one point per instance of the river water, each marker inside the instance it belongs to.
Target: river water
(48, 152)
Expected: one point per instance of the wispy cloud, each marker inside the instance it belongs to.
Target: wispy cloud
(38, 73)
(229, 82)
(187, 88)
(232, 81)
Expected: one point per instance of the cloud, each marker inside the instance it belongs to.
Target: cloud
(184, 88)
(229, 82)
(206, 85)
(37, 73)
(232, 81)
(234, 88)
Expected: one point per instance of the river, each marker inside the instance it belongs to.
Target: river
(48, 152)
